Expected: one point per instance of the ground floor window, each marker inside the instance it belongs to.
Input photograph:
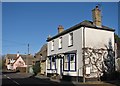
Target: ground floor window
(51, 63)
(70, 62)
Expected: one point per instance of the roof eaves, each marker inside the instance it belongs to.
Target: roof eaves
(85, 23)
(64, 32)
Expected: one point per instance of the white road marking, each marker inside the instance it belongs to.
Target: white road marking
(15, 82)
(12, 80)
(8, 77)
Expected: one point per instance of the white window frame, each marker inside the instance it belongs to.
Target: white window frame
(52, 45)
(70, 39)
(70, 65)
(66, 62)
(72, 62)
(60, 42)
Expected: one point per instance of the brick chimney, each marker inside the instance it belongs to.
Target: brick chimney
(96, 15)
(60, 28)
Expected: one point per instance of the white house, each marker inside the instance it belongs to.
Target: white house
(85, 50)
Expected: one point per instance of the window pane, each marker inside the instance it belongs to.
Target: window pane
(66, 58)
(60, 42)
(72, 66)
(72, 57)
(66, 62)
(52, 45)
(53, 59)
(66, 66)
(72, 61)
(53, 65)
(70, 39)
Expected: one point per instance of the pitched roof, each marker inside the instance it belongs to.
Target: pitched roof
(11, 56)
(85, 23)
(29, 60)
(42, 51)
(24, 57)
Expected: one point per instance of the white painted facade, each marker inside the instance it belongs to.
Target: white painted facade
(77, 45)
(91, 37)
(96, 38)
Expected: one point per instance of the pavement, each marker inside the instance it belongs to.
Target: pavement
(89, 83)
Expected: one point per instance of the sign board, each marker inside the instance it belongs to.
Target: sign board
(87, 70)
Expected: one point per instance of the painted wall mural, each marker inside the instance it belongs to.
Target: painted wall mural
(98, 61)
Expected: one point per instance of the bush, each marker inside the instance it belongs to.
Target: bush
(111, 76)
(36, 68)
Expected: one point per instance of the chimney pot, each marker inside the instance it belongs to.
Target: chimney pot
(60, 28)
(48, 37)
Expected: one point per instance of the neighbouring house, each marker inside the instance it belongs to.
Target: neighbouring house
(83, 51)
(13, 61)
(41, 56)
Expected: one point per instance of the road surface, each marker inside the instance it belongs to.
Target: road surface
(20, 79)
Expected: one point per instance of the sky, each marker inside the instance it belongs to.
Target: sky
(32, 22)
(60, 0)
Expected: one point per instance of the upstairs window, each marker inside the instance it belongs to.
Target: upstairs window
(52, 45)
(60, 42)
(70, 39)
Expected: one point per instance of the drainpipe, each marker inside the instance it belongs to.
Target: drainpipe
(83, 54)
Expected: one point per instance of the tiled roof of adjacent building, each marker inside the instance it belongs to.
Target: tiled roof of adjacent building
(85, 23)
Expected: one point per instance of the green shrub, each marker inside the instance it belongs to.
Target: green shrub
(36, 68)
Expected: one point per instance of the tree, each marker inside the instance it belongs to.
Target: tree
(36, 67)
(117, 39)
(2, 62)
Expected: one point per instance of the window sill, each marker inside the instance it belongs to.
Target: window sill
(69, 70)
(59, 48)
(70, 45)
(52, 50)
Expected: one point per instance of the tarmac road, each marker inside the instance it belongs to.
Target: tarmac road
(20, 79)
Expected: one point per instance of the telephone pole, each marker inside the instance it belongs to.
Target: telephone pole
(28, 48)
(27, 59)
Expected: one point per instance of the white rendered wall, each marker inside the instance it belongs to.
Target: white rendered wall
(77, 45)
(96, 38)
